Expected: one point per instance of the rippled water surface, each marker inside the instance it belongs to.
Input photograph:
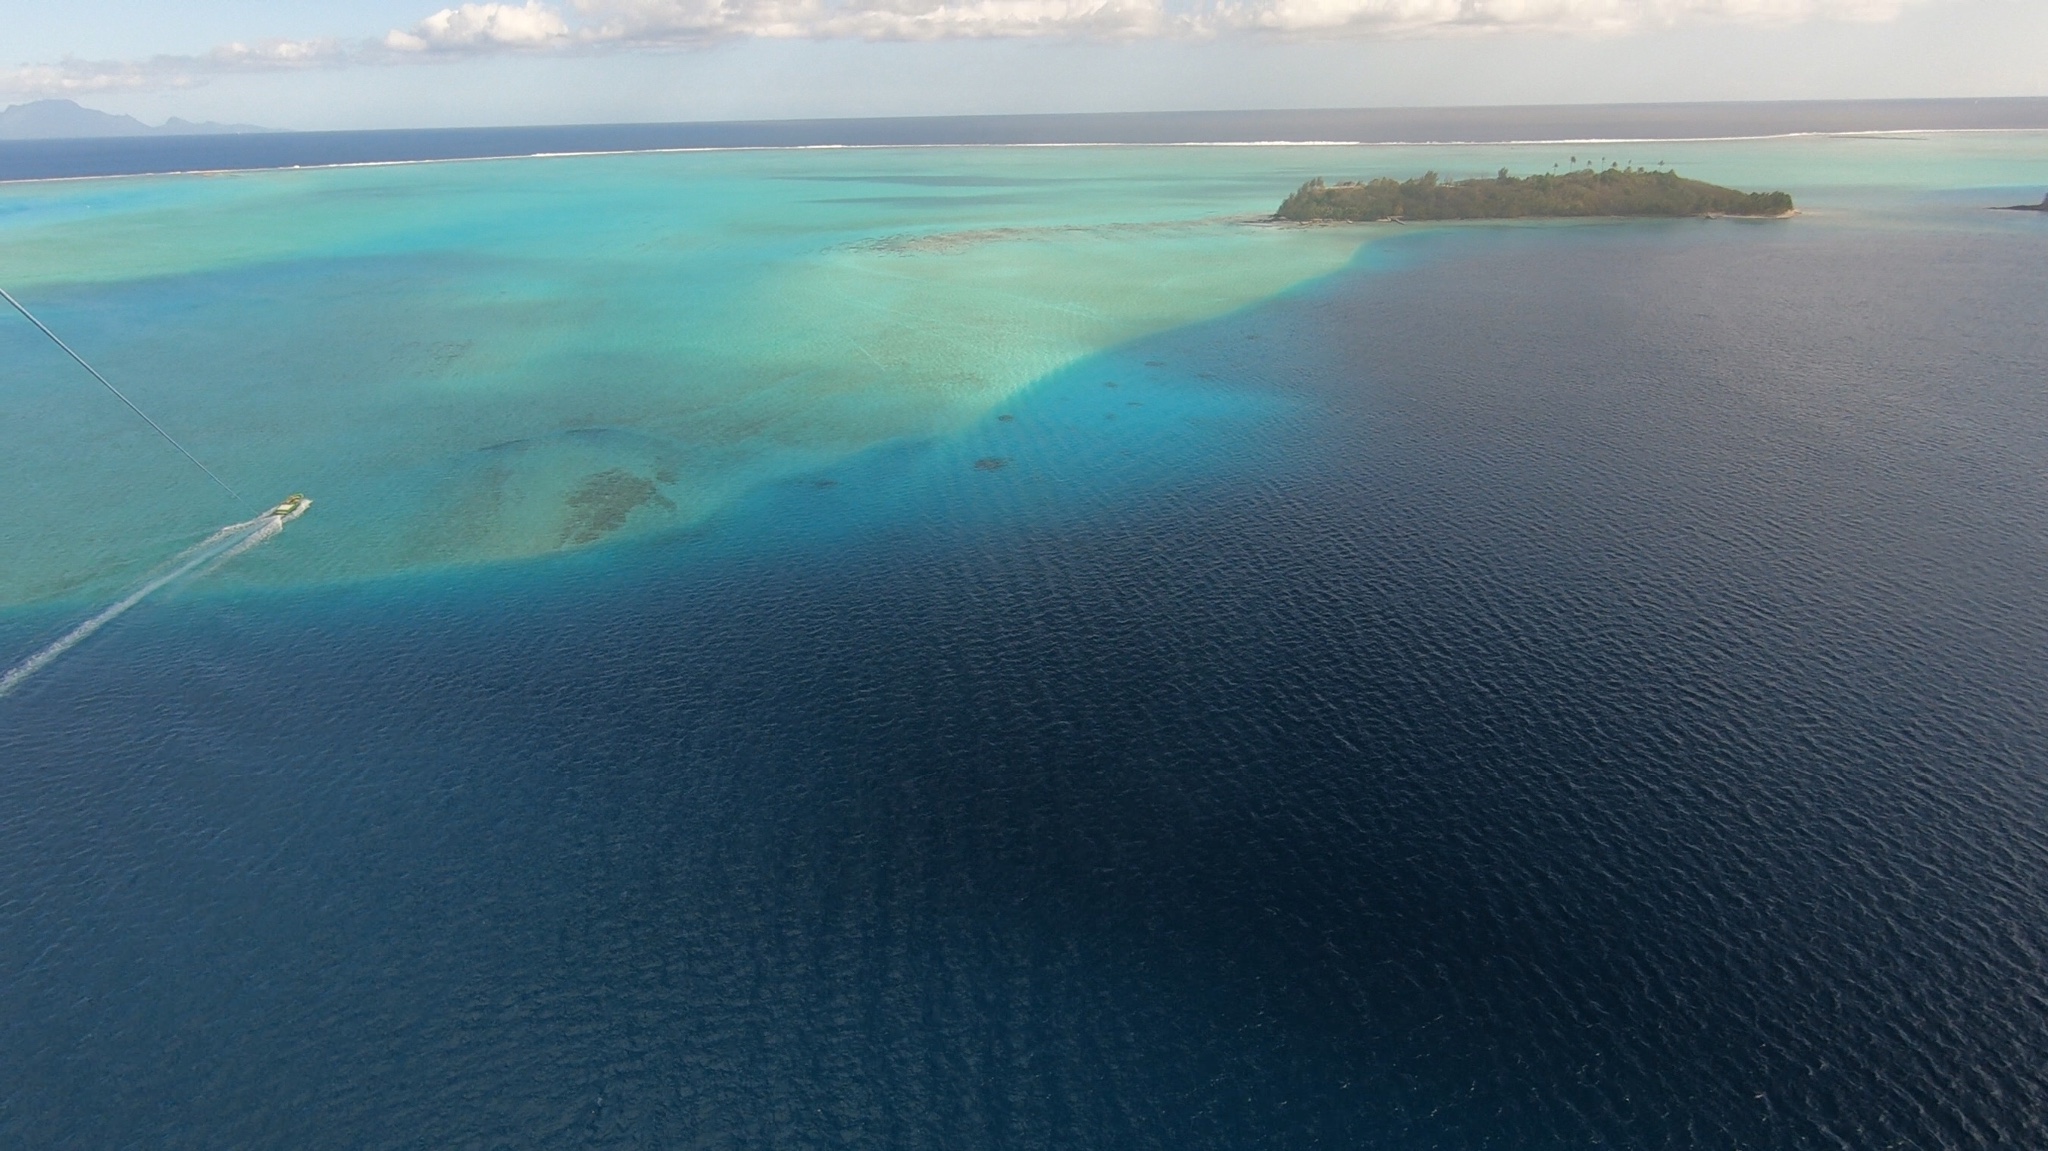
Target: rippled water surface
(1503, 686)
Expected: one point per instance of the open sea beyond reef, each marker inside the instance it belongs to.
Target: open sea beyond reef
(1003, 647)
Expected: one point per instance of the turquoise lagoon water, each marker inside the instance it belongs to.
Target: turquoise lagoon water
(474, 362)
(477, 362)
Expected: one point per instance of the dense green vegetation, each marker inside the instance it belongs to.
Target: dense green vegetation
(1614, 192)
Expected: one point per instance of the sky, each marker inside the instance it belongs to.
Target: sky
(318, 64)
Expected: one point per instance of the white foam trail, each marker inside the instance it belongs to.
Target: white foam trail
(213, 551)
(266, 526)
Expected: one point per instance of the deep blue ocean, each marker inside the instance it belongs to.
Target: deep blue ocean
(1567, 686)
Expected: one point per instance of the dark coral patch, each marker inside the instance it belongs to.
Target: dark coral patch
(991, 463)
(602, 502)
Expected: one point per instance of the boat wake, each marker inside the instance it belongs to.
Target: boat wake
(203, 558)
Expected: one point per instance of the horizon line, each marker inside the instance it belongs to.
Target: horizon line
(1353, 109)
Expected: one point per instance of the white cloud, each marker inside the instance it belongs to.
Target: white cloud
(80, 77)
(1412, 16)
(84, 77)
(277, 53)
(671, 21)
(482, 27)
(474, 28)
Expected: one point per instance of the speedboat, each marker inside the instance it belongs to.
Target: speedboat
(292, 508)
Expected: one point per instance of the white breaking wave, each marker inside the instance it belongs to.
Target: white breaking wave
(209, 553)
(1817, 134)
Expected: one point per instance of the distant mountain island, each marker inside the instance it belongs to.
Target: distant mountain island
(1614, 192)
(66, 119)
(2040, 207)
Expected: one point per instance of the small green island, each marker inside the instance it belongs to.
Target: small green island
(1613, 192)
